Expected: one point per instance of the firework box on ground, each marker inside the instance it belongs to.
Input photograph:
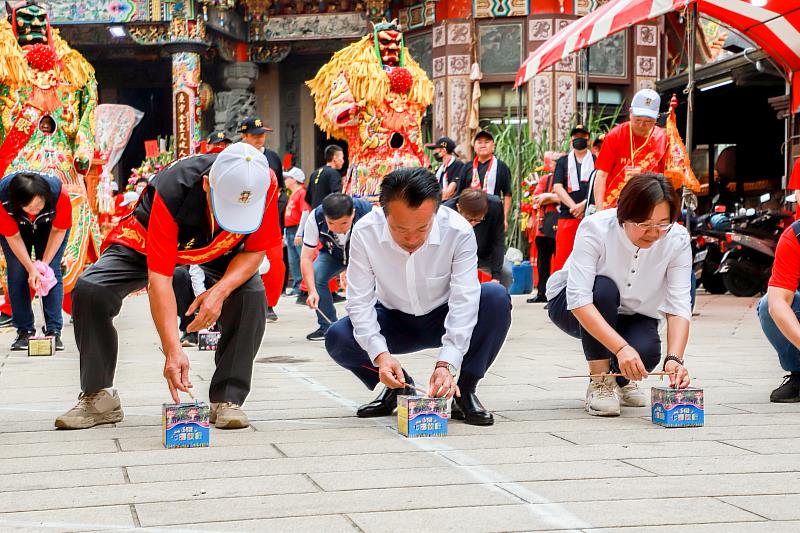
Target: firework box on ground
(419, 416)
(677, 408)
(185, 424)
(41, 346)
(207, 340)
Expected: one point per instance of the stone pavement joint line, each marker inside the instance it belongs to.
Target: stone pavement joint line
(542, 508)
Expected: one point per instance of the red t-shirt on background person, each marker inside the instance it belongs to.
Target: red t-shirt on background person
(294, 209)
(786, 268)
(62, 220)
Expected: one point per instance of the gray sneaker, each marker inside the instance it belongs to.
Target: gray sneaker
(602, 397)
(228, 415)
(632, 396)
(91, 410)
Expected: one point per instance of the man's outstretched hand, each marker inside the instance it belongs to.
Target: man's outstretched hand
(208, 306)
(176, 372)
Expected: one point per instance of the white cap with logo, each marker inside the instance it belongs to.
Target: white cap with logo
(646, 104)
(239, 179)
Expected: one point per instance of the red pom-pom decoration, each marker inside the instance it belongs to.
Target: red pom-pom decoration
(41, 57)
(400, 80)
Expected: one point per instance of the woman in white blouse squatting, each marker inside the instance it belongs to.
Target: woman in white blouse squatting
(630, 268)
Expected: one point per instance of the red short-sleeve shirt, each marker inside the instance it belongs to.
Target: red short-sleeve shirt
(62, 220)
(786, 268)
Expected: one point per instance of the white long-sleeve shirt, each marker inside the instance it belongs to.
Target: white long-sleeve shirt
(442, 271)
(652, 282)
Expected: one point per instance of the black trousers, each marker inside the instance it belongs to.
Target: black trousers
(184, 294)
(640, 331)
(545, 249)
(406, 333)
(97, 299)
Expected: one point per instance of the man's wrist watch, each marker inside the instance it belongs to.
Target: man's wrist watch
(672, 357)
(450, 368)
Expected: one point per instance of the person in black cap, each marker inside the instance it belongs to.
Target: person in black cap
(487, 172)
(217, 142)
(254, 133)
(449, 172)
(571, 182)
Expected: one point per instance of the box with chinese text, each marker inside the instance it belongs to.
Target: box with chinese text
(418, 416)
(41, 346)
(676, 408)
(207, 340)
(185, 425)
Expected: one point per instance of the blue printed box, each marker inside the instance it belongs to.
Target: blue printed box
(677, 408)
(418, 416)
(185, 425)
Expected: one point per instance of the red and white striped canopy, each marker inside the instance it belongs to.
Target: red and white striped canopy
(775, 27)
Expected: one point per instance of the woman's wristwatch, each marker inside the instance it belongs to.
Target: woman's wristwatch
(672, 357)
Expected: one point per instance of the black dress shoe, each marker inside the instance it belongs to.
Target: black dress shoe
(385, 403)
(538, 299)
(469, 409)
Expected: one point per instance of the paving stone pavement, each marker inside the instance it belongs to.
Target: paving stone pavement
(308, 464)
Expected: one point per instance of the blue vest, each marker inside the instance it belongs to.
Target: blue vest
(47, 216)
(326, 237)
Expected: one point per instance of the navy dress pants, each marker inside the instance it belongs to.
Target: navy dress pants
(406, 333)
(639, 331)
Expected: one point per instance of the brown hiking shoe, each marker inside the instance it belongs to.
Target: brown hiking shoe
(92, 409)
(228, 415)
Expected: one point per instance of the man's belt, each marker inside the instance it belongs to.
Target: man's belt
(131, 233)
(19, 135)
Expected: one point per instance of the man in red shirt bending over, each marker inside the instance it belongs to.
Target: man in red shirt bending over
(218, 211)
(779, 313)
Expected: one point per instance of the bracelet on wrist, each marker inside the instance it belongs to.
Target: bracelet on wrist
(620, 349)
(672, 357)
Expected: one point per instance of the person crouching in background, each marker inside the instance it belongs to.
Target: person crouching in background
(36, 215)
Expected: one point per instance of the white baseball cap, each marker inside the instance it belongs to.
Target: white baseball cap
(296, 174)
(646, 104)
(239, 180)
(128, 198)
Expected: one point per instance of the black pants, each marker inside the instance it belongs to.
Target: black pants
(184, 294)
(639, 331)
(406, 333)
(545, 249)
(97, 299)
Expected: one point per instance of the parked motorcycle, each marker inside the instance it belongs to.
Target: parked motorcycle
(708, 247)
(746, 265)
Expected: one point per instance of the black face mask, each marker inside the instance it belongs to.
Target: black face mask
(437, 157)
(580, 143)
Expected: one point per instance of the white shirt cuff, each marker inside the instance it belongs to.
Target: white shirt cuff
(452, 355)
(376, 346)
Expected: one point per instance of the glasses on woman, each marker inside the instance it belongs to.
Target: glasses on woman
(646, 226)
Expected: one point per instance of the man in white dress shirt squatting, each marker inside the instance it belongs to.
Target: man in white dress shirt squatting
(412, 284)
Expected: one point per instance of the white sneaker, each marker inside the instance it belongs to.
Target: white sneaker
(632, 396)
(602, 397)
